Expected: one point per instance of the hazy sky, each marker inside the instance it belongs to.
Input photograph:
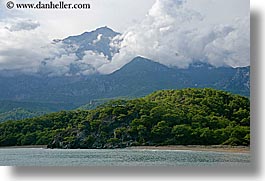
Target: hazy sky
(171, 32)
(117, 14)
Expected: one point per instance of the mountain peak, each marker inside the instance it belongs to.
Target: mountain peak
(92, 35)
(97, 40)
(141, 60)
(104, 29)
(141, 64)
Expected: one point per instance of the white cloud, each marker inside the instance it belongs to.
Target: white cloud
(26, 49)
(94, 59)
(117, 14)
(175, 35)
(21, 47)
(22, 24)
(98, 39)
(233, 49)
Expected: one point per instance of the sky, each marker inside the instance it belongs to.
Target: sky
(171, 32)
(117, 14)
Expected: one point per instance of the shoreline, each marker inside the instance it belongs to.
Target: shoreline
(215, 148)
(25, 146)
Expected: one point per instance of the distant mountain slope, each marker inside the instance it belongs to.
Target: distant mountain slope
(240, 81)
(34, 106)
(19, 114)
(137, 78)
(17, 110)
(146, 76)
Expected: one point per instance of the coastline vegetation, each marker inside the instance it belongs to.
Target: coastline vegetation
(168, 117)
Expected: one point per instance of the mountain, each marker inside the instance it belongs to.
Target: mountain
(97, 40)
(17, 110)
(170, 117)
(147, 76)
(240, 82)
(19, 114)
(139, 77)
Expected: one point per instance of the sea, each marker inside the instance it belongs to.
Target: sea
(120, 157)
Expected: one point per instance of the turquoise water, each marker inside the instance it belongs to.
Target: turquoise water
(119, 157)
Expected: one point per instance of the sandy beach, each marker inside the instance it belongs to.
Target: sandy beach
(26, 146)
(216, 148)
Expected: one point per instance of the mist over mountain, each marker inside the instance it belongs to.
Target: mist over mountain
(138, 78)
(81, 54)
(26, 96)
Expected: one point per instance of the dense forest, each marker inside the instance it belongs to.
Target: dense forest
(168, 117)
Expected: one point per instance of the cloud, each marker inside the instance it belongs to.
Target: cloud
(175, 35)
(22, 49)
(98, 39)
(22, 24)
(68, 64)
(232, 48)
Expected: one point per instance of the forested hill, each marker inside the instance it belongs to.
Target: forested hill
(168, 117)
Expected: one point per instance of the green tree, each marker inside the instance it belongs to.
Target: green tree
(161, 132)
(182, 134)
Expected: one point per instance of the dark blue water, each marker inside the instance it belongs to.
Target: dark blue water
(119, 157)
